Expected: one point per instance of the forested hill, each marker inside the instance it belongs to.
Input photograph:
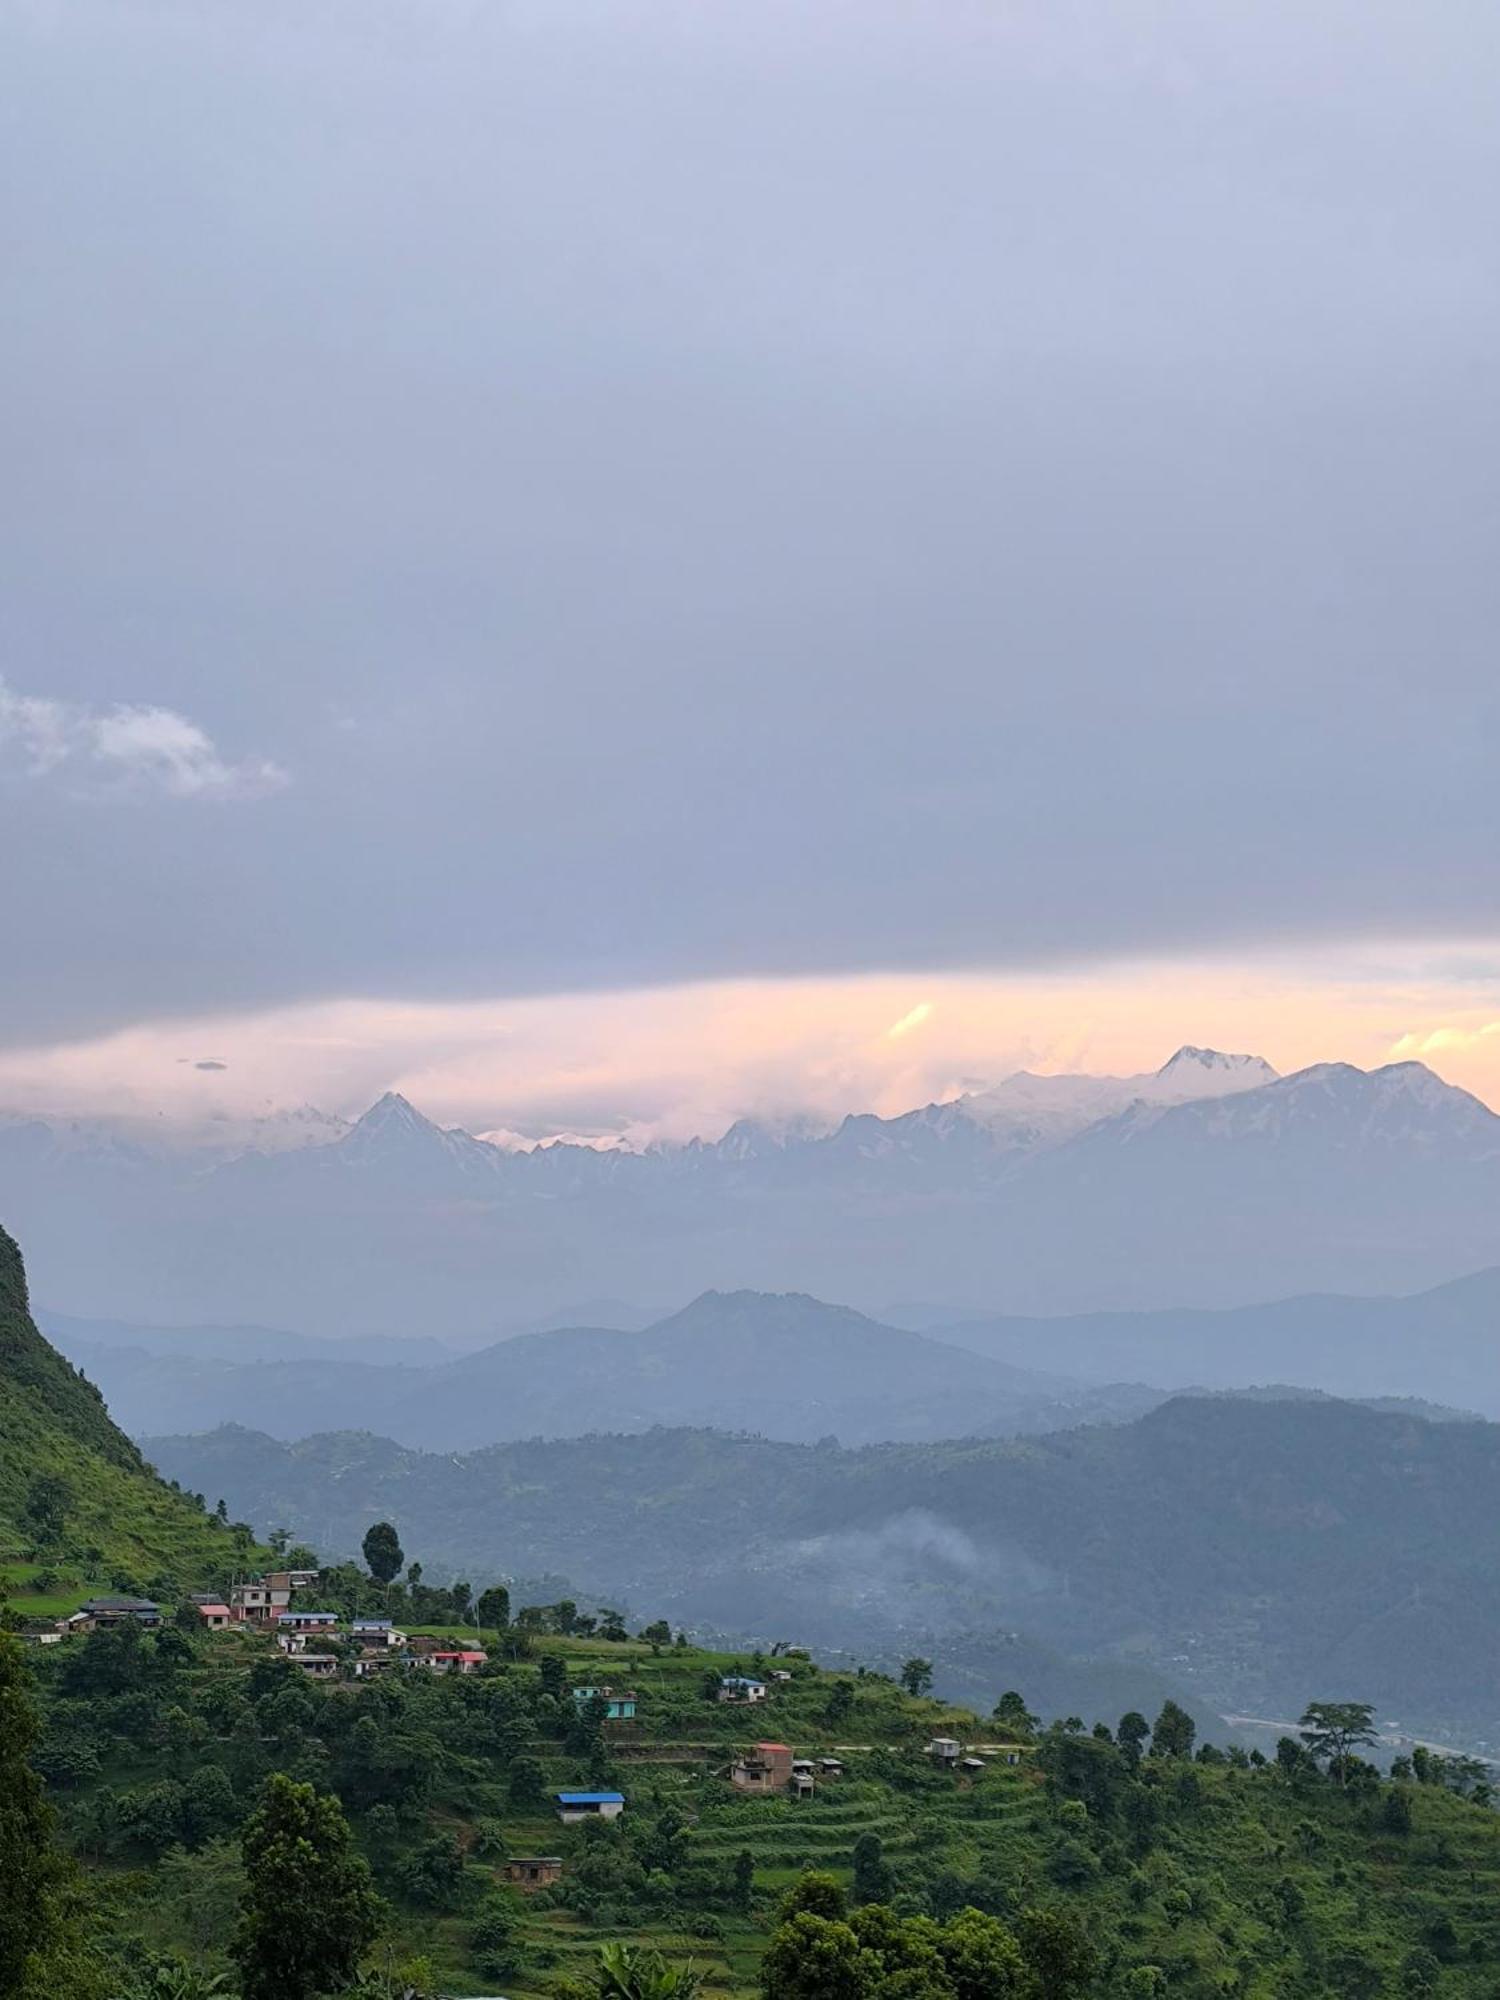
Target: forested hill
(75, 1493)
(1267, 1545)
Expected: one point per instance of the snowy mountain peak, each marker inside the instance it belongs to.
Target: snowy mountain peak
(393, 1113)
(1210, 1070)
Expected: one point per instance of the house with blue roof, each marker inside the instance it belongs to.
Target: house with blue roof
(574, 1807)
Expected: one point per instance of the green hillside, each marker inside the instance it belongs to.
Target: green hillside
(79, 1506)
(1126, 1869)
(1195, 1874)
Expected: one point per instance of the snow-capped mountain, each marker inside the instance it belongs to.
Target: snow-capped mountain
(1027, 1109)
(1208, 1182)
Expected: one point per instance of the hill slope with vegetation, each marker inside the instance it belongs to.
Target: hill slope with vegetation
(1257, 1547)
(77, 1499)
(1057, 1864)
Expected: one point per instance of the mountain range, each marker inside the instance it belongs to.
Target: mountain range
(781, 1366)
(1211, 1183)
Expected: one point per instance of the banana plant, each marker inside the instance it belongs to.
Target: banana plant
(627, 1973)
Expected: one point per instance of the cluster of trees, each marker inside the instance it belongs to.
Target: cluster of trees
(824, 1950)
(380, 1588)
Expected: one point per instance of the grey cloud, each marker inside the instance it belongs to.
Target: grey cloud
(752, 489)
(125, 745)
(208, 1064)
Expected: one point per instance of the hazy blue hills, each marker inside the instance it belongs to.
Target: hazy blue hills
(1250, 1549)
(783, 1366)
(1442, 1344)
(1209, 1183)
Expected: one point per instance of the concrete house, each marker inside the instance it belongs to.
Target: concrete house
(213, 1617)
(369, 1665)
(103, 1614)
(765, 1767)
(453, 1660)
(741, 1687)
(945, 1750)
(258, 1602)
(575, 1807)
(621, 1706)
(307, 1621)
(375, 1632)
(290, 1579)
(317, 1666)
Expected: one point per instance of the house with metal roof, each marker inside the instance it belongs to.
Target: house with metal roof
(574, 1807)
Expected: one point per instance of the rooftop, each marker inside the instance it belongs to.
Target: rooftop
(590, 1798)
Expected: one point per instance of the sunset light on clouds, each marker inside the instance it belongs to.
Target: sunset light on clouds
(675, 1062)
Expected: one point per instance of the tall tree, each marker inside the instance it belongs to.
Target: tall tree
(1335, 1730)
(493, 1608)
(1174, 1731)
(916, 1676)
(1012, 1713)
(308, 1911)
(27, 1865)
(382, 1552)
(1131, 1735)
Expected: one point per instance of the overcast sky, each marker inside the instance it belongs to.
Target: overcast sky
(549, 498)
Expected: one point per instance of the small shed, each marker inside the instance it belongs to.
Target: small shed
(528, 1872)
(945, 1750)
(212, 1617)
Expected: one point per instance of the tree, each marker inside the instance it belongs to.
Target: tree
(657, 1635)
(493, 1608)
(27, 1864)
(817, 1958)
(815, 1892)
(1012, 1713)
(1335, 1729)
(433, 1872)
(872, 1874)
(554, 1673)
(1055, 1945)
(612, 1624)
(742, 1891)
(527, 1779)
(308, 1910)
(1173, 1733)
(44, 1512)
(1131, 1736)
(982, 1957)
(382, 1552)
(916, 1676)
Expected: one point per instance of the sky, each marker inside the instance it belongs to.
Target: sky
(601, 556)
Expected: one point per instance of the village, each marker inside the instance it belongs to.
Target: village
(328, 1648)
